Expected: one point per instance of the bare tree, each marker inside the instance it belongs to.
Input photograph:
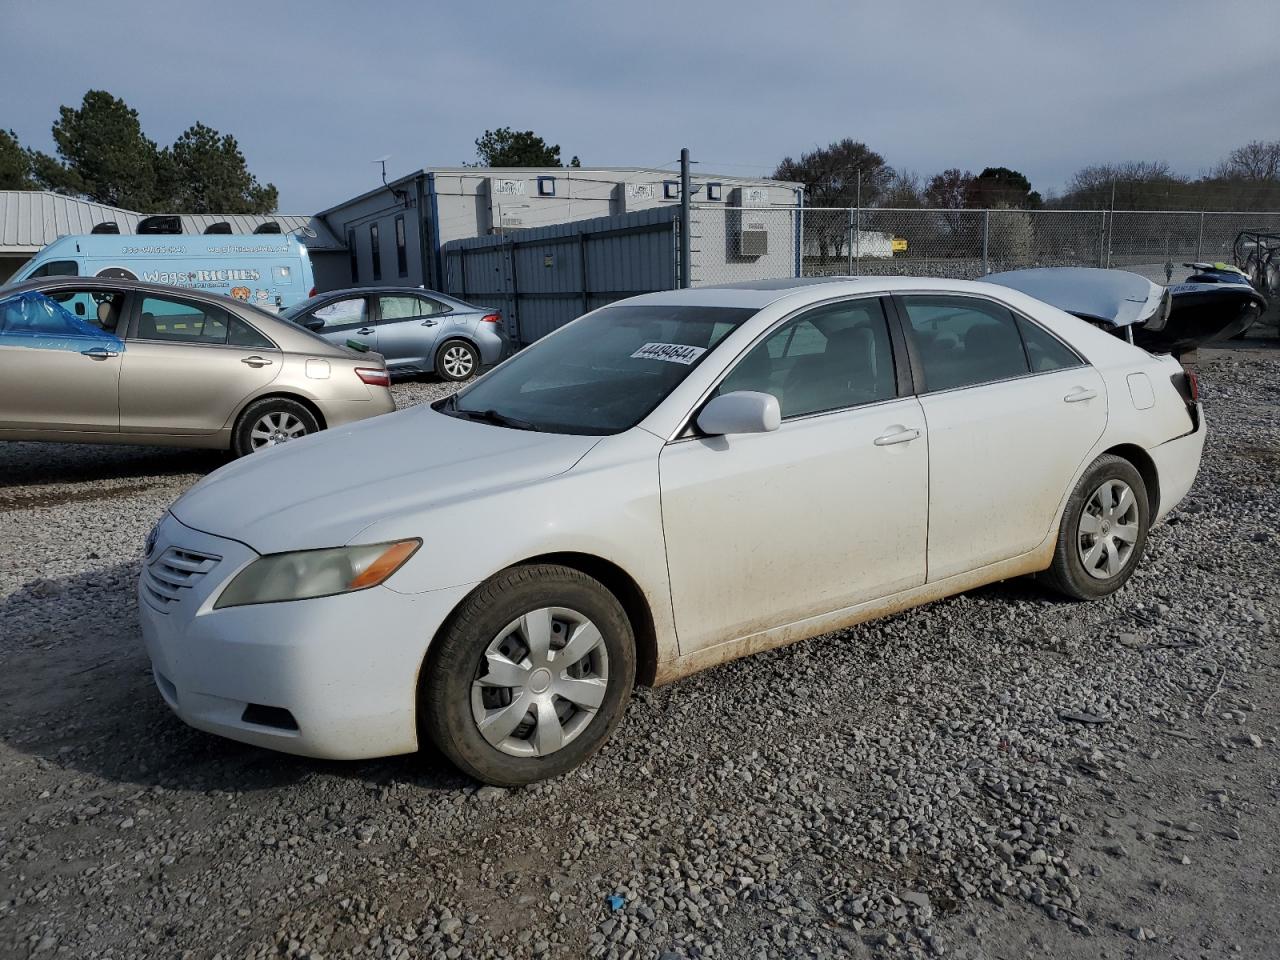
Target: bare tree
(950, 191)
(1256, 160)
(903, 190)
(1132, 185)
(837, 175)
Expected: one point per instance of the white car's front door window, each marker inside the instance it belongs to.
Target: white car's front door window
(767, 529)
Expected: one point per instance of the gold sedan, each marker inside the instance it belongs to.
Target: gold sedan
(94, 360)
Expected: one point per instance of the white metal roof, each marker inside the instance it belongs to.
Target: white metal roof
(31, 219)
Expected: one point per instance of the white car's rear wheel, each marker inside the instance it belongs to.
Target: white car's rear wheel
(1103, 532)
(530, 676)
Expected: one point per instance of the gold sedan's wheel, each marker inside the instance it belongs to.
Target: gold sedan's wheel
(276, 428)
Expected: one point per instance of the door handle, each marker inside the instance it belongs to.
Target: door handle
(365, 331)
(99, 353)
(257, 361)
(1078, 394)
(429, 323)
(896, 435)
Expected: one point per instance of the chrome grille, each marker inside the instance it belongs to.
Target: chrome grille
(174, 571)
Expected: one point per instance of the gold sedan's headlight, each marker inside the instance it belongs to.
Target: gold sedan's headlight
(305, 574)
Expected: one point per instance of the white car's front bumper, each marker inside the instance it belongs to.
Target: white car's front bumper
(333, 677)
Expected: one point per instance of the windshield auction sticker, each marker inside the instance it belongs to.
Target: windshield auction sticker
(671, 352)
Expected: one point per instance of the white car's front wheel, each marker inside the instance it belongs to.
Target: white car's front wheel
(1103, 532)
(530, 676)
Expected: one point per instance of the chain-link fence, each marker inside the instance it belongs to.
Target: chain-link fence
(745, 243)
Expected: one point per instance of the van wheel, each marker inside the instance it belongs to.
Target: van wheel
(530, 676)
(1103, 532)
(269, 423)
(457, 360)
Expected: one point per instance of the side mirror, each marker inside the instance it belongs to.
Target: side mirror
(313, 323)
(743, 411)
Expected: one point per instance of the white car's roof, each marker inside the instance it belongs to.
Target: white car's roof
(760, 293)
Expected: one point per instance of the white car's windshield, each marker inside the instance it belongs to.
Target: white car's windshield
(602, 374)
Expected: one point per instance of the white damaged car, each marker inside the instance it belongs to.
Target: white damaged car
(664, 484)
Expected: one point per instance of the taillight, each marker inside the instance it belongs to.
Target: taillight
(374, 376)
(1188, 386)
(491, 318)
(312, 293)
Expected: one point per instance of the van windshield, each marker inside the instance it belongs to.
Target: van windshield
(601, 374)
(55, 268)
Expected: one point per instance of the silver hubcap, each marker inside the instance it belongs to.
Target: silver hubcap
(275, 428)
(1108, 530)
(541, 683)
(457, 362)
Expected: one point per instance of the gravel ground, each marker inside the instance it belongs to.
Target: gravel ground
(1000, 774)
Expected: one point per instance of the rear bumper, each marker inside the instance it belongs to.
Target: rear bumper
(345, 668)
(338, 413)
(493, 343)
(1177, 463)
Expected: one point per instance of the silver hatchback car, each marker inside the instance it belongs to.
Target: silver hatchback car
(416, 330)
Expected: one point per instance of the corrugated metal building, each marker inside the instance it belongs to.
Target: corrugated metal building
(394, 233)
(31, 219)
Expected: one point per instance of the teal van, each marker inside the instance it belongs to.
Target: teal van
(272, 271)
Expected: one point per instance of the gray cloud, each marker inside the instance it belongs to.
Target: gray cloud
(315, 91)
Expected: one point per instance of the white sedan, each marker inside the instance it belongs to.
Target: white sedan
(662, 485)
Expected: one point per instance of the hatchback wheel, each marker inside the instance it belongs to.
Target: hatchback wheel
(530, 676)
(457, 360)
(1104, 531)
(269, 423)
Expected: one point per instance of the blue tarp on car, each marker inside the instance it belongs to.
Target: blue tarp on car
(37, 321)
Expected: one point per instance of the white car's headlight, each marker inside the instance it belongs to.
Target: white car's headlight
(315, 573)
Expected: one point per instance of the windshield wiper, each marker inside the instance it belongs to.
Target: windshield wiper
(494, 417)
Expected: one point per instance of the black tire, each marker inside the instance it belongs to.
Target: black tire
(457, 658)
(457, 360)
(1069, 574)
(284, 410)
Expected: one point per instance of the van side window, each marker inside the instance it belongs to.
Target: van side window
(56, 268)
(181, 321)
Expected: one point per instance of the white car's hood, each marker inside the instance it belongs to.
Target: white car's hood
(323, 490)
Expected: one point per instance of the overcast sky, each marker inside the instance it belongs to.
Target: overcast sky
(315, 91)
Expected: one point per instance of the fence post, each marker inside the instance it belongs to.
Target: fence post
(1200, 239)
(514, 287)
(1102, 238)
(852, 236)
(800, 233)
(986, 238)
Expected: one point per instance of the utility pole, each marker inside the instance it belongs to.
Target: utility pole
(686, 274)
